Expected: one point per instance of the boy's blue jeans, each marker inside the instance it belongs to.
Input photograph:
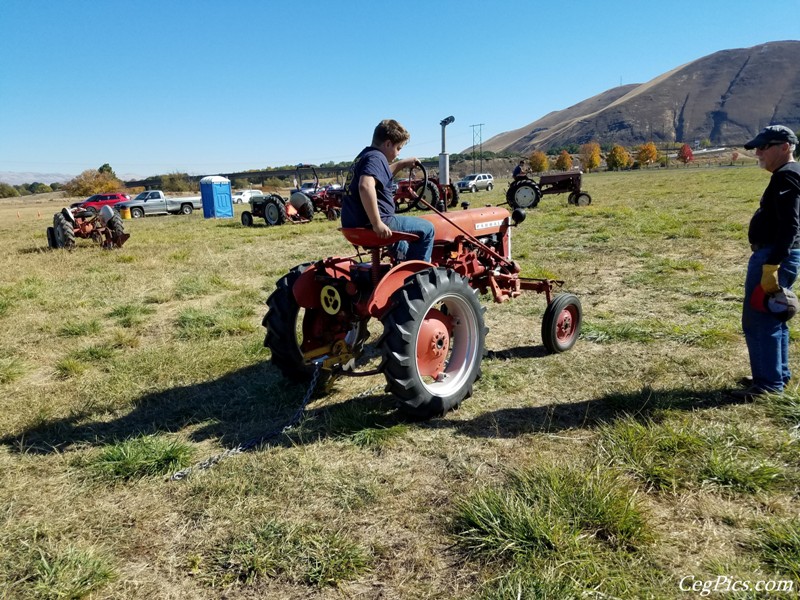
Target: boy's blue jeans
(420, 250)
(767, 338)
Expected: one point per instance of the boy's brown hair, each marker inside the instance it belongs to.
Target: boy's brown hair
(391, 130)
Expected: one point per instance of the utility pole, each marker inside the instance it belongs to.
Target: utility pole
(477, 134)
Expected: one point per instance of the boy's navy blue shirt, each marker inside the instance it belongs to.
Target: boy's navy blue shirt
(370, 161)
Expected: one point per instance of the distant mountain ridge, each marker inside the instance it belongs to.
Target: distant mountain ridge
(726, 97)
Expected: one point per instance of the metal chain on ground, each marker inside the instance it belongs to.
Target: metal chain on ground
(248, 445)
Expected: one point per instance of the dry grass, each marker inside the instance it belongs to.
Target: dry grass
(117, 367)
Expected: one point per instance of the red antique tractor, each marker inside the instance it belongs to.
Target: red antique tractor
(410, 191)
(104, 227)
(433, 328)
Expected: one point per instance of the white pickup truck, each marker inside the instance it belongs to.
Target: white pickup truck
(154, 202)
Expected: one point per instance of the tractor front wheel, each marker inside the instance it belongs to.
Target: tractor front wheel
(63, 232)
(561, 324)
(428, 192)
(51, 238)
(523, 194)
(433, 342)
(247, 218)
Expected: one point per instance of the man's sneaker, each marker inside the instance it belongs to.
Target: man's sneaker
(745, 381)
(749, 394)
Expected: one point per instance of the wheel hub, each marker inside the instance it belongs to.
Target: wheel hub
(433, 344)
(564, 325)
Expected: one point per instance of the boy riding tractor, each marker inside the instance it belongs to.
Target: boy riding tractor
(434, 331)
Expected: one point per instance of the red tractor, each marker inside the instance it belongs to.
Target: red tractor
(104, 227)
(410, 191)
(433, 328)
(325, 199)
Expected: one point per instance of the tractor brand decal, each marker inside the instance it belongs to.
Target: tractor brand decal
(488, 224)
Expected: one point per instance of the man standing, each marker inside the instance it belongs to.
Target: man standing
(774, 236)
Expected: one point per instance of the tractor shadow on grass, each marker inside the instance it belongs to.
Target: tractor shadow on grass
(232, 410)
(255, 401)
(557, 417)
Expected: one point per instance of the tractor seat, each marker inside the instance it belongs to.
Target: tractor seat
(366, 238)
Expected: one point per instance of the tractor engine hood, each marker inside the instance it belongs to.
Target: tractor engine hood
(478, 222)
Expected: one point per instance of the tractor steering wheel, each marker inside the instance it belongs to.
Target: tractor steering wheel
(424, 185)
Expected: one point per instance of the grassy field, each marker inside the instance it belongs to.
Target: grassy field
(616, 470)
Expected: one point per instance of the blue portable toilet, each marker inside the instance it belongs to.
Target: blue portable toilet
(216, 194)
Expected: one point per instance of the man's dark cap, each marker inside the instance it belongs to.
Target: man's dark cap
(772, 134)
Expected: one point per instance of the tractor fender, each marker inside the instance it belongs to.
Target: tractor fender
(308, 287)
(390, 283)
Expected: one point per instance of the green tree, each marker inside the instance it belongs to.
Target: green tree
(106, 168)
(647, 154)
(618, 158)
(539, 161)
(705, 143)
(8, 191)
(590, 156)
(564, 161)
(177, 182)
(39, 188)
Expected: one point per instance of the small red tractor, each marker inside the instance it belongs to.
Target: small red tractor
(104, 227)
(410, 191)
(323, 199)
(524, 192)
(433, 326)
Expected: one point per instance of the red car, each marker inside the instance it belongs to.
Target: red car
(98, 201)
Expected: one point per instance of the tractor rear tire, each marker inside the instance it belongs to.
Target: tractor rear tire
(430, 194)
(63, 232)
(433, 342)
(453, 192)
(51, 238)
(274, 212)
(247, 218)
(561, 324)
(523, 194)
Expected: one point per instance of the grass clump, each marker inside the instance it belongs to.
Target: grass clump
(671, 456)
(80, 329)
(554, 516)
(11, 369)
(196, 324)
(129, 315)
(41, 570)
(143, 456)
(290, 553)
(70, 367)
(777, 544)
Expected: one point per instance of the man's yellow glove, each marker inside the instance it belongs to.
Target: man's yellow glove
(769, 279)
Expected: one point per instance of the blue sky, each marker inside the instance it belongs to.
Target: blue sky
(206, 87)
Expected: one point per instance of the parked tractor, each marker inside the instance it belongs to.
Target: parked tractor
(104, 227)
(433, 326)
(410, 191)
(323, 199)
(524, 192)
(276, 210)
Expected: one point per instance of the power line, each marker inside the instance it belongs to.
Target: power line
(479, 133)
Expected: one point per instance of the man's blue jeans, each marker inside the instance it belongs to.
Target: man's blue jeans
(767, 338)
(420, 250)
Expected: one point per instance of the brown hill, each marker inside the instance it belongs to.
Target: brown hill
(726, 97)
